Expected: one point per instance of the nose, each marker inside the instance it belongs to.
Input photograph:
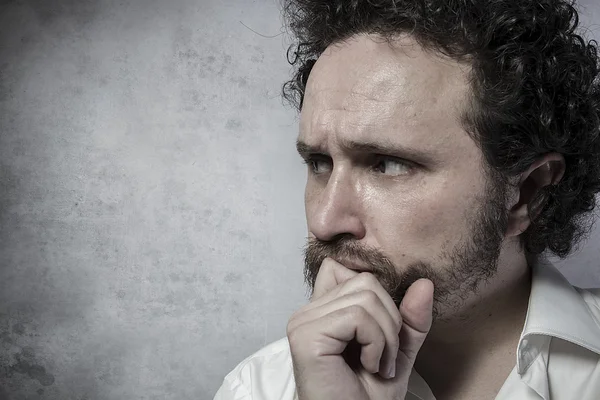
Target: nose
(335, 209)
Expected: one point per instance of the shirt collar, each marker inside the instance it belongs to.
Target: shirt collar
(556, 309)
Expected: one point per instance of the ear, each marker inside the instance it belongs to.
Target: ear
(547, 170)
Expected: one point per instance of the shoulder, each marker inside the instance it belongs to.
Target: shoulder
(272, 357)
(264, 375)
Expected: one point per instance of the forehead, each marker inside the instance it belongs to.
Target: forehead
(364, 88)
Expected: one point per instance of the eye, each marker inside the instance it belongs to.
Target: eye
(387, 165)
(392, 166)
(317, 164)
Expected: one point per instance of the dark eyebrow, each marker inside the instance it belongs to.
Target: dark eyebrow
(305, 149)
(390, 149)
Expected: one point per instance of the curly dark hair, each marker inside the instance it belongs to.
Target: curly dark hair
(535, 88)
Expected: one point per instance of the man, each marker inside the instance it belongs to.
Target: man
(451, 145)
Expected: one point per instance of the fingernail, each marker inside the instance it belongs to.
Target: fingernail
(392, 370)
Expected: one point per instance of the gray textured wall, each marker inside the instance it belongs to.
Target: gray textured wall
(151, 203)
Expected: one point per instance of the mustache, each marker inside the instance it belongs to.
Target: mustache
(346, 248)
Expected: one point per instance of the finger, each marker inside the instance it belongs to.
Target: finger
(416, 309)
(365, 298)
(361, 281)
(366, 281)
(330, 334)
(331, 274)
(373, 305)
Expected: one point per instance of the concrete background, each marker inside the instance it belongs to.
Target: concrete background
(151, 201)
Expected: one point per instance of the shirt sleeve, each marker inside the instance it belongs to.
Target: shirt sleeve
(232, 389)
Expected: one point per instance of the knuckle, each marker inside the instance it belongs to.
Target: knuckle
(379, 341)
(293, 322)
(369, 297)
(299, 312)
(295, 337)
(368, 279)
(291, 326)
(357, 312)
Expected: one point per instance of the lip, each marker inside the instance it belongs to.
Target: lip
(354, 266)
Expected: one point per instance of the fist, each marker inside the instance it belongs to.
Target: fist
(351, 342)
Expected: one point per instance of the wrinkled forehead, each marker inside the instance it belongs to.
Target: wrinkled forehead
(365, 84)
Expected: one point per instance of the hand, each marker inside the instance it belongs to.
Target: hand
(348, 307)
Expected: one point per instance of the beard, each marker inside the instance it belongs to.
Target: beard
(471, 263)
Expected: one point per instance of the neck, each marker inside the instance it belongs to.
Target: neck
(479, 344)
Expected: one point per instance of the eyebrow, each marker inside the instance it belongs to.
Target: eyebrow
(386, 148)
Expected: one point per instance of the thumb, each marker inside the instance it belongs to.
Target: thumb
(417, 316)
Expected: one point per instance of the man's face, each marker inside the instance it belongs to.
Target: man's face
(395, 184)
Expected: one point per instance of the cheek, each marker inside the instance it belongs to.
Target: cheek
(422, 225)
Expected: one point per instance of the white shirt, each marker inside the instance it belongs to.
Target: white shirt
(558, 355)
